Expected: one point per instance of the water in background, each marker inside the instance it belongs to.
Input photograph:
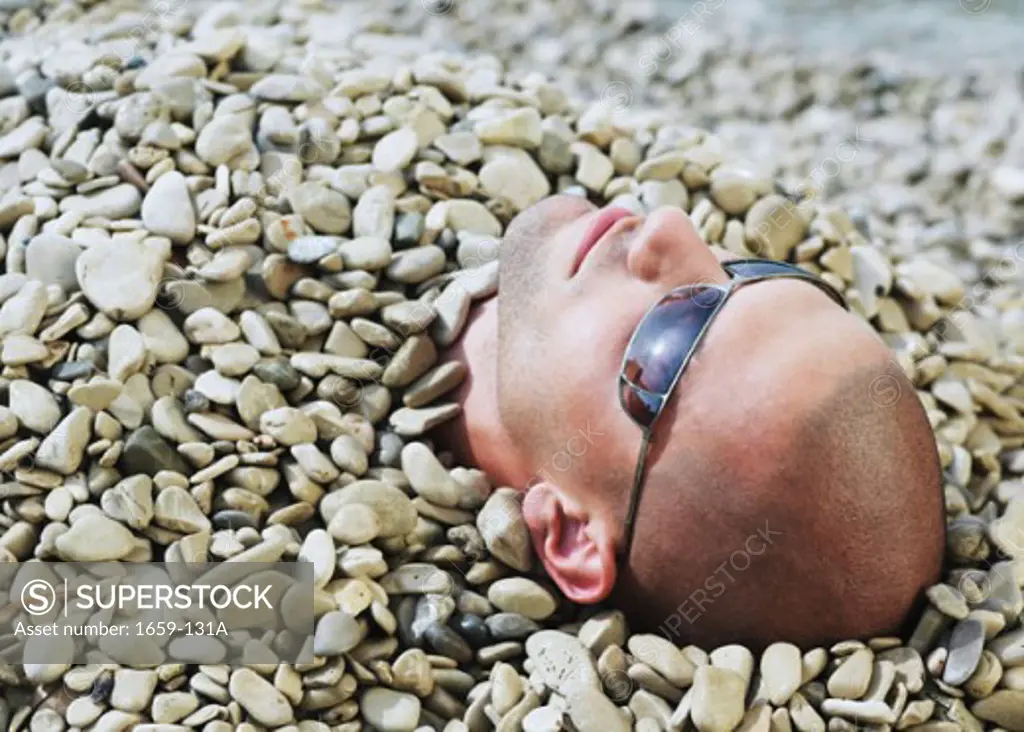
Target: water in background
(936, 34)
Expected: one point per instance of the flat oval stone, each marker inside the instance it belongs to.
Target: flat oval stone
(448, 643)
(337, 632)
(965, 646)
(393, 508)
(390, 711)
(522, 595)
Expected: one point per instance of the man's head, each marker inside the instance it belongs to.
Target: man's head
(792, 486)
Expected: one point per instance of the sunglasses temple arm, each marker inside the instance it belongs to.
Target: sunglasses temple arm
(634, 497)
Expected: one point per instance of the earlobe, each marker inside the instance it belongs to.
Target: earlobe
(574, 551)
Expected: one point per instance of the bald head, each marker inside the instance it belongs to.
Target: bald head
(792, 485)
(835, 538)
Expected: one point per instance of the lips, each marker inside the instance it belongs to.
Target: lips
(601, 225)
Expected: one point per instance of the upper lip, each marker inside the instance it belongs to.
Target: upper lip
(606, 218)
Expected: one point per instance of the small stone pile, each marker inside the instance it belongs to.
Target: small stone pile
(236, 240)
(924, 151)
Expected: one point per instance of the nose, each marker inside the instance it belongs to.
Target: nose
(668, 251)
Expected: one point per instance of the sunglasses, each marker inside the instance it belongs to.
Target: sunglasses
(663, 345)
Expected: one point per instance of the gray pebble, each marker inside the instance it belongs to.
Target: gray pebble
(145, 451)
(965, 646)
(511, 626)
(448, 643)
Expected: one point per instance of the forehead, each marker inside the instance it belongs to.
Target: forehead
(545, 217)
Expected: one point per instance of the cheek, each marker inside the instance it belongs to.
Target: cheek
(586, 349)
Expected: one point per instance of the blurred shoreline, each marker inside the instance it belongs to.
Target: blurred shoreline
(932, 34)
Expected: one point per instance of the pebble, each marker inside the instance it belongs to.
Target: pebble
(337, 632)
(435, 383)
(773, 227)
(311, 249)
(410, 362)
(34, 407)
(210, 326)
(323, 208)
(393, 508)
(374, 213)
(120, 278)
(126, 353)
(1004, 708)
(662, 656)
(63, 449)
(286, 88)
(20, 349)
(177, 510)
(452, 309)
(23, 313)
(472, 628)
(223, 138)
(735, 658)
(146, 452)
(130, 501)
(717, 699)
(133, 689)
(395, 150)
(288, 426)
(412, 671)
(511, 626)
(448, 643)
(517, 180)
(874, 712)
(95, 538)
(354, 524)
(414, 422)
(173, 706)
(416, 265)
(428, 477)
(365, 252)
(851, 679)
(51, 258)
(234, 359)
(167, 209)
(803, 715)
(164, 342)
(8, 423)
(965, 646)
(504, 531)
(544, 719)
(523, 596)
(416, 578)
(781, 672)
(119, 202)
(390, 711)
(949, 601)
(258, 697)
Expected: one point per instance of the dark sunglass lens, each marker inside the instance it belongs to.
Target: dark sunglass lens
(640, 405)
(667, 335)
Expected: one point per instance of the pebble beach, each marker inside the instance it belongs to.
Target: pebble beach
(236, 239)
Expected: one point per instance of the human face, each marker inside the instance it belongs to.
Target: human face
(575, 282)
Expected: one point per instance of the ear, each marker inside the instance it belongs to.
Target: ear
(576, 552)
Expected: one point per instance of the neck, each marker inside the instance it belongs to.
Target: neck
(478, 437)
